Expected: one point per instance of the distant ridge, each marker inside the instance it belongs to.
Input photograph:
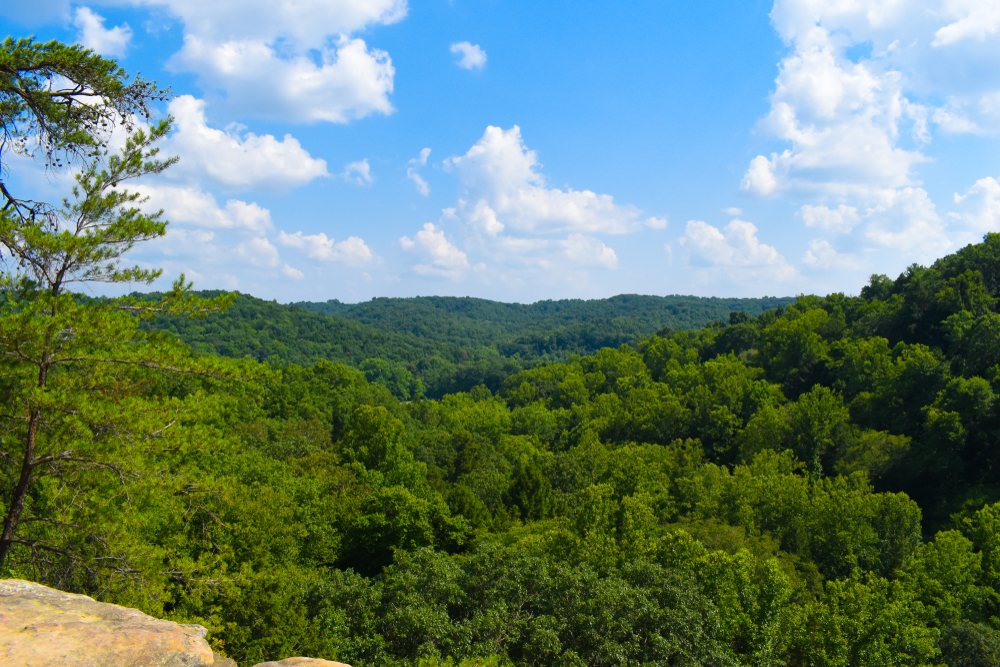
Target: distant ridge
(449, 343)
(468, 319)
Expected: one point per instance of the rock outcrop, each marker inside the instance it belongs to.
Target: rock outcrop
(301, 662)
(44, 627)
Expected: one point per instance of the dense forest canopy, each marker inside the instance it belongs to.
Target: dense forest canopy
(812, 485)
(470, 321)
(440, 345)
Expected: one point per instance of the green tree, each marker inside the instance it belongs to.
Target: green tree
(79, 378)
(63, 102)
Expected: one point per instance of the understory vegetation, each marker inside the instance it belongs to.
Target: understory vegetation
(815, 485)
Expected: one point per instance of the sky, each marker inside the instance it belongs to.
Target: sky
(519, 151)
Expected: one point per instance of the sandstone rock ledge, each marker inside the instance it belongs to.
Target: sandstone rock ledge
(301, 662)
(44, 627)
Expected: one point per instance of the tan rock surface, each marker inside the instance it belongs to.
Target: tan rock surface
(301, 662)
(44, 627)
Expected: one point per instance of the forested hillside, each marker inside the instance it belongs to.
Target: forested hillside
(447, 344)
(816, 485)
(476, 322)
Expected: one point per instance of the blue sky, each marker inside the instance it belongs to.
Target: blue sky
(522, 151)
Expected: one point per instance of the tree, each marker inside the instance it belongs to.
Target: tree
(63, 102)
(80, 381)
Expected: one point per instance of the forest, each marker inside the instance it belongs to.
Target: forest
(810, 484)
(439, 345)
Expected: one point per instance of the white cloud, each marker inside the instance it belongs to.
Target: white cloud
(508, 212)
(843, 120)
(734, 248)
(733, 211)
(859, 98)
(441, 257)
(970, 115)
(421, 160)
(294, 61)
(358, 173)
(93, 35)
(259, 252)
(473, 57)
(841, 219)
(348, 82)
(979, 207)
(412, 174)
(735, 245)
(936, 49)
(422, 185)
(973, 19)
(192, 206)
(907, 221)
(500, 172)
(353, 251)
(233, 160)
(587, 250)
(304, 23)
(292, 272)
(821, 255)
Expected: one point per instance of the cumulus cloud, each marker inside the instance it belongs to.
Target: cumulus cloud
(422, 186)
(857, 102)
(349, 81)
(259, 252)
(353, 251)
(972, 19)
(979, 207)
(822, 256)
(735, 249)
(586, 250)
(841, 219)
(194, 207)
(937, 49)
(421, 160)
(293, 61)
(304, 23)
(473, 57)
(501, 173)
(358, 173)
(843, 121)
(440, 256)
(906, 220)
(903, 220)
(292, 272)
(93, 35)
(507, 211)
(412, 174)
(235, 159)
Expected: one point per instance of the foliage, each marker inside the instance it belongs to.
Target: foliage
(62, 101)
(447, 344)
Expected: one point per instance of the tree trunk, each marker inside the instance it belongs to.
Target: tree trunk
(21, 490)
